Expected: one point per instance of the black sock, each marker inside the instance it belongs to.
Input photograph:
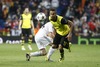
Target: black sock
(62, 53)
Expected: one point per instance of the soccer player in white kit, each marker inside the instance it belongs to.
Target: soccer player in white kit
(43, 38)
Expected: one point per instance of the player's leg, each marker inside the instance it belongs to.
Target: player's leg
(30, 42)
(61, 53)
(49, 54)
(22, 43)
(30, 37)
(61, 50)
(66, 44)
(54, 46)
(41, 44)
(42, 52)
(23, 39)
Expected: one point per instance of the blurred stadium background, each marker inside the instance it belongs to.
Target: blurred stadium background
(85, 15)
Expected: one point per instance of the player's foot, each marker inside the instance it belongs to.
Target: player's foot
(23, 48)
(27, 57)
(50, 60)
(61, 59)
(29, 47)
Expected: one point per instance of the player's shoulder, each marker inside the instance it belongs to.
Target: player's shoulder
(58, 15)
(48, 23)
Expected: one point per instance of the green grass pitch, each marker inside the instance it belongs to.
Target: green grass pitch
(81, 56)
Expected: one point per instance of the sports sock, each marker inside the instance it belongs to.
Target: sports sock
(62, 53)
(30, 41)
(22, 42)
(37, 53)
(50, 52)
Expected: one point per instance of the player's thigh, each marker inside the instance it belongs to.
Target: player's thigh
(57, 39)
(41, 42)
(29, 33)
(23, 32)
(64, 42)
(46, 41)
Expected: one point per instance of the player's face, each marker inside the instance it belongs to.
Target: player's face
(26, 10)
(53, 15)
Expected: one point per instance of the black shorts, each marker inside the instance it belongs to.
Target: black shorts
(65, 43)
(26, 32)
(61, 40)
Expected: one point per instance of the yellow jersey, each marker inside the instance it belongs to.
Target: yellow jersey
(61, 29)
(26, 21)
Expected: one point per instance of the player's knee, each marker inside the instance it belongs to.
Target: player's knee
(54, 46)
(44, 52)
(60, 46)
(30, 36)
(22, 37)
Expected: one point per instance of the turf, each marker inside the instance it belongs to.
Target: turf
(81, 56)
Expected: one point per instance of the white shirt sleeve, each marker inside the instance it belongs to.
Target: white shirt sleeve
(50, 27)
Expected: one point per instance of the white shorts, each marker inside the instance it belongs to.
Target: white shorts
(42, 42)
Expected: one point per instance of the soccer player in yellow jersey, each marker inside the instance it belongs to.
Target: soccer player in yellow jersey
(63, 34)
(26, 24)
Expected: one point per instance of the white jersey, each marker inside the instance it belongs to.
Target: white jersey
(45, 29)
(41, 38)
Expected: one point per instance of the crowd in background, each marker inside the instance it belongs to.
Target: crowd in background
(85, 14)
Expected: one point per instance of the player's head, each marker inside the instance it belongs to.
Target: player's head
(26, 10)
(52, 14)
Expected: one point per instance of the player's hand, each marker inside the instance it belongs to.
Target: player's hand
(69, 36)
(51, 35)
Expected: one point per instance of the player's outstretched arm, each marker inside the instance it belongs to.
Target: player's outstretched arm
(70, 23)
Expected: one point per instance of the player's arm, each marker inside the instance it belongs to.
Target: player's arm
(70, 23)
(32, 23)
(20, 23)
(51, 34)
(52, 31)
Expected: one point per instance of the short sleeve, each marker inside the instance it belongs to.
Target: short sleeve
(63, 21)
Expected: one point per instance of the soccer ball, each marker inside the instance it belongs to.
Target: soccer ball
(41, 16)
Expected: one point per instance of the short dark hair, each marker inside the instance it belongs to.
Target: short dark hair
(52, 9)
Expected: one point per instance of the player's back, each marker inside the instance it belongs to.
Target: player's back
(45, 29)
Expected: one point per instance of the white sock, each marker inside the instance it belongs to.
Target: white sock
(37, 53)
(50, 52)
